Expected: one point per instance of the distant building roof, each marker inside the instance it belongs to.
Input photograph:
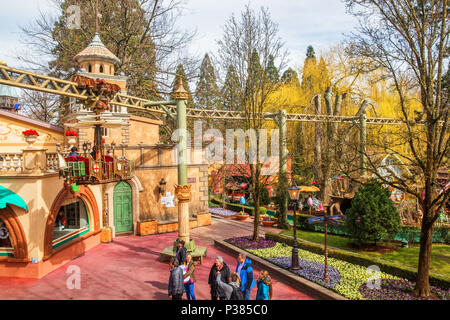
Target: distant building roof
(96, 50)
(8, 91)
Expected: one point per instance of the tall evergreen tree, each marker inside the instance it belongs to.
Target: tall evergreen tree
(290, 77)
(231, 90)
(272, 71)
(310, 74)
(310, 54)
(254, 76)
(207, 91)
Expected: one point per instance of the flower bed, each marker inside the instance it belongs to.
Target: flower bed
(347, 279)
(398, 290)
(222, 212)
(247, 243)
(311, 270)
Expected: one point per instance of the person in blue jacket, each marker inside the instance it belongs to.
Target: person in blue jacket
(264, 291)
(245, 270)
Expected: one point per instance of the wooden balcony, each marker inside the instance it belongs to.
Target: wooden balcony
(87, 170)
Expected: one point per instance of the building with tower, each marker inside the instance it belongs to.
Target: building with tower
(49, 216)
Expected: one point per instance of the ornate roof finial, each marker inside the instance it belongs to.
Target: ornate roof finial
(180, 93)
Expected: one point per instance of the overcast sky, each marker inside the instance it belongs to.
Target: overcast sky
(320, 23)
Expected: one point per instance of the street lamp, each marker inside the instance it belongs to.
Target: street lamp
(162, 186)
(294, 193)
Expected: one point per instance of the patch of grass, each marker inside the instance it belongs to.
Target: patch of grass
(440, 253)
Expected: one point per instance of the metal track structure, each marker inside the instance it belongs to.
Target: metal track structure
(33, 81)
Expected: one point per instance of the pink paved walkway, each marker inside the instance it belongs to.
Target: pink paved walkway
(128, 268)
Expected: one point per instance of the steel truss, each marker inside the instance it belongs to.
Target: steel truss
(33, 81)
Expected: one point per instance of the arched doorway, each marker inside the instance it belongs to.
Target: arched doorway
(123, 208)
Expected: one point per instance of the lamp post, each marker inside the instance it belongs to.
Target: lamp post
(294, 193)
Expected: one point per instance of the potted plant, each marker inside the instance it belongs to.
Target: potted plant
(30, 136)
(241, 215)
(268, 220)
(71, 137)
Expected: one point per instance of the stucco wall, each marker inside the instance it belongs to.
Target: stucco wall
(39, 193)
(12, 139)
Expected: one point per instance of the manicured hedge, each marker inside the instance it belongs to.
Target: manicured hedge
(441, 234)
(361, 259)
(234, 206)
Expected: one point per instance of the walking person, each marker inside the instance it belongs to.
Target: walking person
(218, 266)
(176, 287)
(232, 290)
(189, 277)
(180, 257)
(264, 285)
(245, 271)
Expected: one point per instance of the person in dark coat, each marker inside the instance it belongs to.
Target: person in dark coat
(181, 253)
(73, 152)
(176, 285)
(219, 266)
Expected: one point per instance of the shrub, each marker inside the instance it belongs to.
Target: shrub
(373, 215)
(264, 197)
(262, 211)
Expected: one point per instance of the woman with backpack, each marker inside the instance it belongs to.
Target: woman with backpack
(233, 289)
(264, 286)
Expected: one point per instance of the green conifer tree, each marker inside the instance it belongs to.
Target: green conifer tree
(272, 71)
(207, 91)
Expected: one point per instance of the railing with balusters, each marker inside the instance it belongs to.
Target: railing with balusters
(11, 162)
(52, 162)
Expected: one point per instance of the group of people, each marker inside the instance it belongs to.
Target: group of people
(224, 284)
(74, 152)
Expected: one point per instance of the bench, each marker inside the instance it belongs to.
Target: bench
(191, 248)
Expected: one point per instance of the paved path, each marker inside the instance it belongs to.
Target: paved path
(129, 268)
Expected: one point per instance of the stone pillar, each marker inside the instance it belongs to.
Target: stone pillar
(182, 190)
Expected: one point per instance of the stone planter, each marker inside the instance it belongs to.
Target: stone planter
(147, 227)
(106, 235)
(268, 223)
(30, 139)
(241, 217)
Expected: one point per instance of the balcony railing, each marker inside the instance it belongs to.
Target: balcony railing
(87, 170)
(11, 162)
(82, 170)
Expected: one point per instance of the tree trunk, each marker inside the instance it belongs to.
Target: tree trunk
(318, 134)
(256, 215)
(422, 288)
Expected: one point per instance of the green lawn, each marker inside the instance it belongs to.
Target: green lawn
(440, 253)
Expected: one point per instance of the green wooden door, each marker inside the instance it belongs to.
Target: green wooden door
(123, 210)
